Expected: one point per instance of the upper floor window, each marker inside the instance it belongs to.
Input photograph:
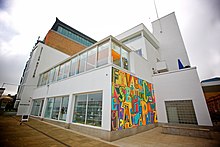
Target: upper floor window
(73, 66)
(119, 56)
(74, 36)
(103, 54)
(92, 58)
(82, 62)
(125, 57)
(116, 54)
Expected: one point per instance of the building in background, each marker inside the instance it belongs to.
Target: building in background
(211, 89)
(115, 87)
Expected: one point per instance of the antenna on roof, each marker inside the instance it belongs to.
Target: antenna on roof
(157, 16)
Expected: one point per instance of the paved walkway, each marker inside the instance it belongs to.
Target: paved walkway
(154, 138)
(38, 133)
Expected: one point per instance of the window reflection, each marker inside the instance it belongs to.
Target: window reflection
(88, 109)
(82, 62)
(56, 108)
(103, 53)
(116, 54)
(91, 59)
(124, 55)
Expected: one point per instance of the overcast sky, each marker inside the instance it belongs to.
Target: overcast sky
(22, 21)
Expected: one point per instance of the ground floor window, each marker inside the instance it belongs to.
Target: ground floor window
(88, 109)
(181, 111)
(57, 108)
(37, 107)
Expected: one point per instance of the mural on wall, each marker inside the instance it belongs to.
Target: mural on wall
(132, 103)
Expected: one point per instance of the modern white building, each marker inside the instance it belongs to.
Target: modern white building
(115, 87)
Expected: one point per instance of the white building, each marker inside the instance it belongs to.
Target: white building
(116, 87)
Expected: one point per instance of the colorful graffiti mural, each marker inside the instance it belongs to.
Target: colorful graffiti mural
(132, 103)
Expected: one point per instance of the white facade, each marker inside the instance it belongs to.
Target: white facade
(137, 53)
(171, 48)
(42, 58)
(83, 84)
(181, 85)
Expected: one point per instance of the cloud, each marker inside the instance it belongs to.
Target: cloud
(4, 4)
(11, 69)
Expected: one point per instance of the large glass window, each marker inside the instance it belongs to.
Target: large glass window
(119, 56)
(64, 107)
(56, 108)
(48, 111)
(82, 62)
(73, 66)
(73, 36)
(116, 54)
(91, 59)
(124, 55)
(103, 54)
(36, 107)
(88, 109)
(80, 108)
(94, 109)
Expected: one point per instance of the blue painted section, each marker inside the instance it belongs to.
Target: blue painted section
(180, 64)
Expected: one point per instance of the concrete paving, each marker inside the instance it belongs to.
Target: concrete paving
(154, 138)
(39, 133)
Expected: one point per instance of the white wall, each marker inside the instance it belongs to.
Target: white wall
(140, 67)
(48, 58)
(181, 85)
(152, 54)
(90, 81)
(172, 46)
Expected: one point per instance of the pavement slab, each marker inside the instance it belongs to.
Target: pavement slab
(37, 133)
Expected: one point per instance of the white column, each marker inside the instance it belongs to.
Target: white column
(70, 109)
(44, 108)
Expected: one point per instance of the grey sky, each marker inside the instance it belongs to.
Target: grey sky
(22, 21)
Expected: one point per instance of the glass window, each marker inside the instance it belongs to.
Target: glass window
(51, 75)
(56, 73)
(64, 107)
(61, 71)
(45, 78)
(80, 108)
(91, 60)
(73, 66)
(40, 80)
(82, 62)
(124, 55)
(116, 54)
(35, 107)
(66, 70)
(56, 108)
(49, 107)
(94, 110)
(88, 109)
(103, 54)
